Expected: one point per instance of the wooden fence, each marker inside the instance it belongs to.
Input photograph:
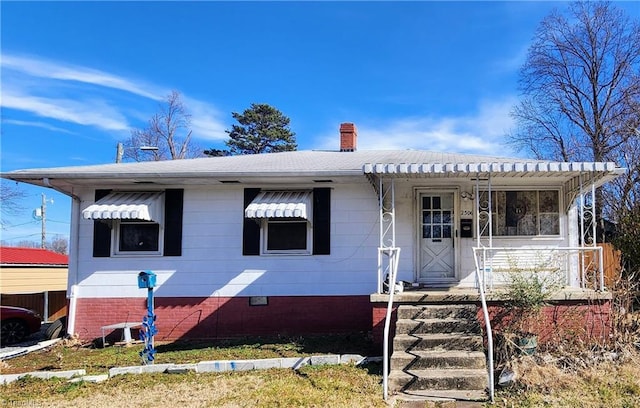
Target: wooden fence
(57, 302)
(611, 261)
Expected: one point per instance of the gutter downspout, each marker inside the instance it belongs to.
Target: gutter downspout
(72, 275)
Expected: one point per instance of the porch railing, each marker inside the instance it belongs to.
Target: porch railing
(577, 266)
(390, 269)
(489, 331)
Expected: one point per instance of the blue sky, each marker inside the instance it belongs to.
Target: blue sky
(78, 76)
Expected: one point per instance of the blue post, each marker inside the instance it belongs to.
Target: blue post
(148, 330)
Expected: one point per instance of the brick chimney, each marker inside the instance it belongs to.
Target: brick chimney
(348, 137)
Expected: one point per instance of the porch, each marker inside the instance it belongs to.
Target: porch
(457, 295)
(475, 224)
(438, 342)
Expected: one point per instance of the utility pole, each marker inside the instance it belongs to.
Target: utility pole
(44, 221)
(120, 150)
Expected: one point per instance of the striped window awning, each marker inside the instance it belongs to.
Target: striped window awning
(145, 206)
(280, 204)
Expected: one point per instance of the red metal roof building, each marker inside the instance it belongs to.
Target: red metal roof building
(35, 279)
(31, 256)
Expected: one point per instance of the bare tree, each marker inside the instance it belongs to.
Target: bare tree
(59, 244)
(581, 87)
(167, 135)
(10, 201)
(579, 82)
(25, 243)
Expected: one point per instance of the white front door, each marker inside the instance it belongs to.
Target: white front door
(437, 235)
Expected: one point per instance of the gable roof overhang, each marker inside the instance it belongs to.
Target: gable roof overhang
(306, 167)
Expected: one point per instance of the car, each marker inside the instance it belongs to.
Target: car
(17, 323)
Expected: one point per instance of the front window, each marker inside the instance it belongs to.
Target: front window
(290, 235)
(522, 213)
(138, 236)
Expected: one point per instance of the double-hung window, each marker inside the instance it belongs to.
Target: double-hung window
(137, 236)
(285, 219)
(136, 223)
(286, 235)
(287, 222)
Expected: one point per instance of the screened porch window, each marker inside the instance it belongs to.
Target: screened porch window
(522, 213)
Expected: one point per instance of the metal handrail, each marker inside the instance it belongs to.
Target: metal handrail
(569, 250)
(487, 322)
(393, 266)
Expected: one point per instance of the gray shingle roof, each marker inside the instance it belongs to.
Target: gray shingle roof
(289, 166)
(285, 162)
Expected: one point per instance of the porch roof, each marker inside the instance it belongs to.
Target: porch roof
(498, 168)
(574, 175)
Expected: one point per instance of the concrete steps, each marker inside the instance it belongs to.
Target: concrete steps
(440, 379)
(455, 341)
(417, 360)
(438, 352)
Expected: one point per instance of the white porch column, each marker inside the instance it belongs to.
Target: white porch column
(574, 233)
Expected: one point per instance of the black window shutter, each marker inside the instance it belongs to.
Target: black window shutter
(321, 221)
(101, 233)
(173, 207)
(250, 228)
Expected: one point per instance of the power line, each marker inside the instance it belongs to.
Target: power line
(59, 222)
(18, 225)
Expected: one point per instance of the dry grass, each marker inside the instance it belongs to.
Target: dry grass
(70, 355)
(319, 386)
(603, 380)
(327, 386)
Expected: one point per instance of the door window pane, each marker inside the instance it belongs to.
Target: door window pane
(447, 201)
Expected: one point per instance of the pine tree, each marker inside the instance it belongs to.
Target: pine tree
(261, 129)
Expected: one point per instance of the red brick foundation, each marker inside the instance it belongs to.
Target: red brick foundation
(585, 321)
(573, 321)
(211, 317)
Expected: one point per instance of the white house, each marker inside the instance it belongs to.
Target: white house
(297, 242)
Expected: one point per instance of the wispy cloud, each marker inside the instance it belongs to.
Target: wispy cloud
(97, 114)
(41, 125)
(85, 96)
(480, 133)
(206, 121)
(65, 72)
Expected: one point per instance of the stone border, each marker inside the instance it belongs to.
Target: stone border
(201, 367)
(20, 351)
